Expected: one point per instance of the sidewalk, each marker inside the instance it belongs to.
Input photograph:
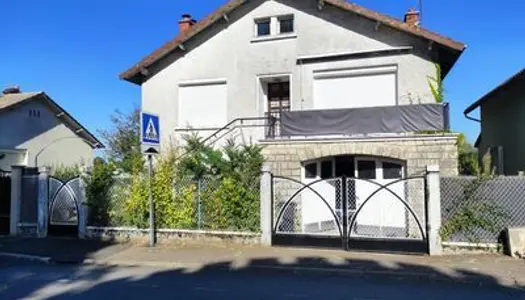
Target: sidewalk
(196, 256)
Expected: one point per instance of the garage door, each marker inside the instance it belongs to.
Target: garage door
(355, 88)
(203, 105)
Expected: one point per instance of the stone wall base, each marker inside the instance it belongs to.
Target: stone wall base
(470, 248)
(123, 233)
(27, 230)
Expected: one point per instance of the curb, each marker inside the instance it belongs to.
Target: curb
(41, 259)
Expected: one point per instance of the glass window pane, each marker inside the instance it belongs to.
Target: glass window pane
(286, 88)
(263, 28)
(286, 25)
(310, 171)
(344, 166)
(326, 169)
(392, 171)
(366, 169)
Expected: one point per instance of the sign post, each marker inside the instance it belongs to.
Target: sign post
(150, 144)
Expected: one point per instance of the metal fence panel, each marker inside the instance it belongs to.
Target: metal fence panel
(220, 203)
(478, 210)
(209, 203)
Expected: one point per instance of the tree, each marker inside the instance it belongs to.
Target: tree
(468, 157)
(123, 140)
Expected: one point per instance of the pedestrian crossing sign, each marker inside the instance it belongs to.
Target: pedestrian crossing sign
(150, 133)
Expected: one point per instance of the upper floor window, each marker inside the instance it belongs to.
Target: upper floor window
(274, 28)
(286, 24)
(263, 27)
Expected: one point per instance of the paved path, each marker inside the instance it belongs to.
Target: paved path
(30, 281)
(493, 270)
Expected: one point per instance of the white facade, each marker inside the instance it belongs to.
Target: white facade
(222, 74)
(36, 141)
(333, 59)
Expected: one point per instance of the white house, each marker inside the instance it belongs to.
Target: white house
(328, 87)
(35, 132)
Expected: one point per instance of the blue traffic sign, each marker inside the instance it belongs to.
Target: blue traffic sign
(150, 133)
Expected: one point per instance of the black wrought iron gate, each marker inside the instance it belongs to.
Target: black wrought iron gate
(64, 201)
(351, 213)
(5, 202)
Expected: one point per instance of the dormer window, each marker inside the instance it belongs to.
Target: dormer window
(286, 24)
(263, 27)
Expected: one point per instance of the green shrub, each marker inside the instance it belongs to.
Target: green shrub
(224, 181)
(98, 193)
(65, 173)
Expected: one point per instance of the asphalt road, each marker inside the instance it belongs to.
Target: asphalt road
(24, 280)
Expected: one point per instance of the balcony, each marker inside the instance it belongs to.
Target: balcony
(385, 120)
(327, 124)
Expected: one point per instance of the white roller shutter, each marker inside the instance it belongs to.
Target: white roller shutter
(355, 88)
(203, 105)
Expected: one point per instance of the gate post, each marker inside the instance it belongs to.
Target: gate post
(82, 204)
(433, 208)
(266, 206)
(43, 202)
(16, 199)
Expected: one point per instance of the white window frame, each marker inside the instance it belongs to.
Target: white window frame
(318, 163)
(258, 21)
(262, 93)
(275, 28)
(285, 18)
(379, 166)
(377, 160)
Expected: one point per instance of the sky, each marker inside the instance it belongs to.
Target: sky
(75, 49)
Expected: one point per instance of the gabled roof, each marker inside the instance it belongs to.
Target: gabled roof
(134, 74)
(518, 76)
(12, 101)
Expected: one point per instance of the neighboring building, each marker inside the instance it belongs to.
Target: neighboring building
(35, 131)
(328, 87)
(503, 125)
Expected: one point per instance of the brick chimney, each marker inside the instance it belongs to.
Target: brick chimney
(412, 17)
(185, 23)
(12, 90)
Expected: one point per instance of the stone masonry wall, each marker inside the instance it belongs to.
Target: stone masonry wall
(285, 157)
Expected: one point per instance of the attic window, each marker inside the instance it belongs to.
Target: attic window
(263, 27)
(286, 24)
(34, 113)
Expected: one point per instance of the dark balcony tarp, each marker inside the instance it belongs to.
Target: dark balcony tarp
(369, 120)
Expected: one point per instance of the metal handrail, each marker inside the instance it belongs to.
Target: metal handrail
(273, 121)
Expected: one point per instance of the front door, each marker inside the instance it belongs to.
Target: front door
(278, 102)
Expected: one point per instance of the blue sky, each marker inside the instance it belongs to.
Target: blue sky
(74, 50)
